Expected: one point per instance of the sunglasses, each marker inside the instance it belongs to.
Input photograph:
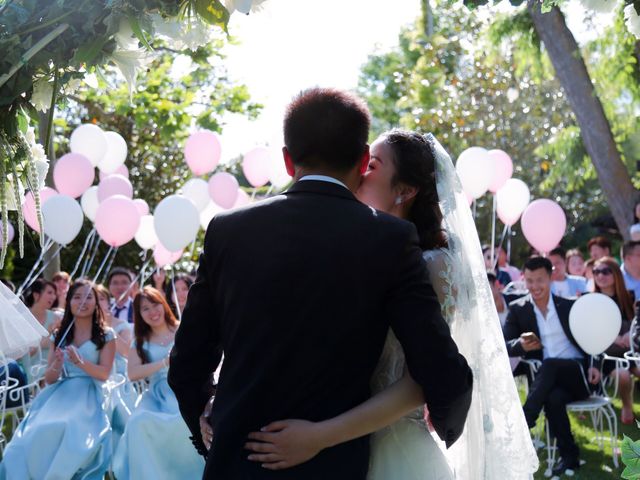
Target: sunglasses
(602, 271)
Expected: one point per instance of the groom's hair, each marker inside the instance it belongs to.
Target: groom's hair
(536, 263)
(326, 127)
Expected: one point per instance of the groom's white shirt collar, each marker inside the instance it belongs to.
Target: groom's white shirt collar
(323, 178)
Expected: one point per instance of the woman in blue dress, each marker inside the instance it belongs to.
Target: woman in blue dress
(66, 433)
(156, 442)
(123, 399)
(41, 299)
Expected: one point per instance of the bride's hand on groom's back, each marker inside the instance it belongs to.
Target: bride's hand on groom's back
(286, 443)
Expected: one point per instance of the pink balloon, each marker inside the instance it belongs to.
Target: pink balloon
(142, 206)
(242, 200)
(503, 169)
(117, 220)
(29, 206)
(202, 151)
(121, 170)
(73, 173)
(543, 224)
(163, 257)
(256, 166)
(10, 234)
(114, 185)
(223, 189)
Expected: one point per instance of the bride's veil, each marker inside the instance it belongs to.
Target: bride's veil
(496, 442)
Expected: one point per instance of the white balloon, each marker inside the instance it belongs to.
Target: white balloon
(146, 236)
(511, 200)
(89, 140)
(595, 321)
(197, 190)
(176, 221)
(476, 171)
(62, 218)
(206, 215)
(90, 202)
(115, 155)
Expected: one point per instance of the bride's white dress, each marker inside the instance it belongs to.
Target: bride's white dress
(406, 450)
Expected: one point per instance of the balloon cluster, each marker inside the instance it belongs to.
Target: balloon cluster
(543, 221)
(119, 218)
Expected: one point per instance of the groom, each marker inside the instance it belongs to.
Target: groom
(299, 291)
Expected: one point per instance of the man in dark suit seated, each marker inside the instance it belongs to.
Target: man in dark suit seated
(537, 327)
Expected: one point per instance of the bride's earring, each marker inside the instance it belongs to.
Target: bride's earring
(398, 200)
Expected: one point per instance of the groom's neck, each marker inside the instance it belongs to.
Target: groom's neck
(351, 179)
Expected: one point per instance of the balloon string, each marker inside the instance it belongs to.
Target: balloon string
(44, 266)
(253, 194)
(109, 265)
(47, 245)
(140, 275)
(86, 268)
(493, 232)
(84, 250)
(104, 261)
(502, 237)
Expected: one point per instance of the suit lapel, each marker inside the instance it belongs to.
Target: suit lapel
(531, 315)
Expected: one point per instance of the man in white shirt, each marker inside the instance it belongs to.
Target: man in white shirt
(537, 327)
(563, 285)
(631, 267)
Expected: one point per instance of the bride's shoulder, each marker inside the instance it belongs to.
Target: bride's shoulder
(438, 255)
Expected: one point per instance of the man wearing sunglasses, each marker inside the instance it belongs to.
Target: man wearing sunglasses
(537, 327)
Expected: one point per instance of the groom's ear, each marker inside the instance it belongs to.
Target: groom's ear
(364, 161)
(288, 162)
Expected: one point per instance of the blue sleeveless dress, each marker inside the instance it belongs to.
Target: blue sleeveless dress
(66, 434)
(123, 398)
(156, 441)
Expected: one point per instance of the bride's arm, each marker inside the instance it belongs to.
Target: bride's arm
(287, 443)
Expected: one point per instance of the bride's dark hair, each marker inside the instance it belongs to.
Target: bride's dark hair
(415, 166)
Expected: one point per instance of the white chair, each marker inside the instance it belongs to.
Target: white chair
(22, 397)
(6, 383)
(600, 409)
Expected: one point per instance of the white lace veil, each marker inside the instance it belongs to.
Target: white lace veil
(496, 443)
(19, 330)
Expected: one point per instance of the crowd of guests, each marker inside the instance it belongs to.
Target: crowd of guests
(533, 307)
(104, 401)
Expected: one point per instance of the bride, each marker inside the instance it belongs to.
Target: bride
(412, 177)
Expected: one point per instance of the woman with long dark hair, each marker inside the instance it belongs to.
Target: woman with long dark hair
(176, 292)
(608, 280)
(66, 433)
(155, 443)
(411, 176)
(41, 299)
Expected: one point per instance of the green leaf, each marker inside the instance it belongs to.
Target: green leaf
(137, 31)
(631, 458)
(23, 122)
(213, 12)
(89, 51)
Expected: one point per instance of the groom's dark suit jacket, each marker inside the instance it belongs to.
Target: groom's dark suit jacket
(299, 292)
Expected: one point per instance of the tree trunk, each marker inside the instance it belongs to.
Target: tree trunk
(53, 261)
(598, 140)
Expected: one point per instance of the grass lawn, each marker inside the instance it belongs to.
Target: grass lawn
(599, 465)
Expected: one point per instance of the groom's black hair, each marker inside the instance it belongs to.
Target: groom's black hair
(535, 263)
(326, 127)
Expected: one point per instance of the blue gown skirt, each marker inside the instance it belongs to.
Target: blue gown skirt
(65, 435)
(155, 444)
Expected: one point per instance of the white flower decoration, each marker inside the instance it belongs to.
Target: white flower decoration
(242, 6)
(42, 93)
(632, 20)
(600, 6)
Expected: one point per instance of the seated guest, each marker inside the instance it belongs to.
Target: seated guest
(537, 327)
(588, 273)
(66, 433)
(498, 298)
(503, 264)
(575, 262)
(599, 247)
(608, 280)
(176, 293)
(503, 277)
(631, 267)
(61, 280)
(563, 285)
(119, 285)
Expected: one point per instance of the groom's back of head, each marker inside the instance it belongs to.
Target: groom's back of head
(326, 128)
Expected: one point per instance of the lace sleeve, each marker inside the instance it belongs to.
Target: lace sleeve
(439, 265)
